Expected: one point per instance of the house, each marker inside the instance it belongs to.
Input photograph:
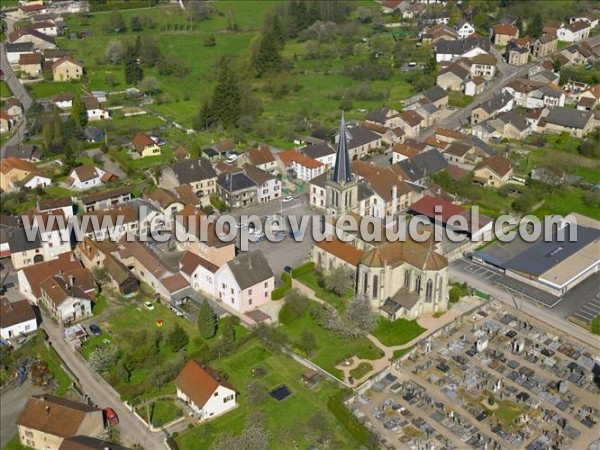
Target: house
(361, 142)
(14, 51)
(64, 100)
(593, 21)
(181, 153)
(452, 77)
(204, 391)
(411, 123)
(262, 158)
(94, 110)
(436, 95)
(61, 205)
(574, 32)
(17, 173)
(220, 149)
(437, 17)
(168, 201)
(145, 146)
(494, 171)
(65, 69)
(419, 168)
(16, 319)
(438, 32)
(386, 117)
(31, 64)
(474, 86)
(462, 154)
(388, 195)
(46, 27)
(28, 34)
(516, 55)
(483, 66)
(200, 273)
(567, 120)
(88, 443)
(47, 421)
(92, 254)
(27, 152)
(13, 108)
(107, 199)
(508, 125)
(53, 230)
(37, 271)
(197, 173)
(88, 176)
(121, 278)
(448, 50)
(246, 282)
(393, 136)
(546, 76)
(406, 150)
(322, 152)
(237, 190)
(491, 108)
(581, 53)
(54, 54)
(530, 93)
(33, 8)
(93, 134)
(268, 186)
(6, 122)
(502, 34)
(298, 165)
(464, 30)
(544, 45)
(68, 296)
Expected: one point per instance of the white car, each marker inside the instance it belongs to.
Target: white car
(231, 159)
(289, 198)
(149, 306)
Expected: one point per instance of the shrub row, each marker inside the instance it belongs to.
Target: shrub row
(303, 269)
(355, 428)
(279, 293)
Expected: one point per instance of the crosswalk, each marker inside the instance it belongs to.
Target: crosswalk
(589, 310)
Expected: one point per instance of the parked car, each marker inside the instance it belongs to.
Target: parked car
(95, 329)
(111, 416)
(149, 306)
(289, 198)
(288, 269)
(231, 159)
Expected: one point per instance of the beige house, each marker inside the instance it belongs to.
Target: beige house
(411, 122)
(65, 69)
(544, 45)
(494, 171)
(14, 171)
(31, 64)
(576, 122)
(483, 66)
(145, 146)
(502, 34)
(47, 420)
(452, 77)
(517, 55)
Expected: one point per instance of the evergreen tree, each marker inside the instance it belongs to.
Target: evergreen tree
(122, 372)
(267, 58)
(207, 321)
(277, 31)
(48, 135)
(227, 97)
(308, 342)
(57, 138)
(116, 22)
(206, 116)
(228, 330)
(536, 27)
(177, 338)
(519, 25)
(69, 160)
(78, 113)
(133, 71)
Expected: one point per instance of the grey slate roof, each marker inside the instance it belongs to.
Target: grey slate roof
(364, 191)
(568, 117)
(483, 145)
(496, 103)
(18, 242)
(318, 150)
(435, 93)
(257, 175)
(542, 256)
(378, 115)
(193, 170)
(515, 119)
(250, 268)
(424, 164)
(361, 136)
(24, 151)
(233, 182)
(321, 180)
(459, 47)
(341, 172)
(19, 47)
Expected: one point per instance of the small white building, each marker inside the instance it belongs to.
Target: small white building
(465, 30)
(87, 177)
(268, 186)
(16, 318)
(574, 32)
(200, 273)
(207, 394)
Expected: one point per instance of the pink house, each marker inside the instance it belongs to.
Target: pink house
(246, 282)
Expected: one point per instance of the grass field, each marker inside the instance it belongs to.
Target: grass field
(286, 420)
(567, 201)
(4, 89)
(311, 279)
(398, 332)
(161, 412)
(331, 349)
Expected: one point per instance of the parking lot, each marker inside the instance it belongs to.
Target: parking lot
(589, 310)
(494, 379)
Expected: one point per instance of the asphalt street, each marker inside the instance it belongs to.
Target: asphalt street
(11, 405)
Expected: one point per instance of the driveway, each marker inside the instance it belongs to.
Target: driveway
(109, 165)
(11, 404)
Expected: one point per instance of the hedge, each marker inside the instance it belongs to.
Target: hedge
(595, 325)
(304, 268)
(356, 429)
(279, 293)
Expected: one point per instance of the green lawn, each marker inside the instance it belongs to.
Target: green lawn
(567, 201)
(49, 89)
(311, 279)
(290, 414)
(398, 332)
(458, 99)
(595, 325)
(361, 370)
(331, 348)
(161, 412)
(14, 444)
(4, 89)
(400, 353)
(506, 413)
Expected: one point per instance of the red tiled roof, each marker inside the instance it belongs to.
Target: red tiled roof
(342, 250)
(141, 141)
(190, 261)
(199, 383)
(260, 155)
(508, 30)
(289, 156)
(30, 58)
(436, 207)
(37, 273)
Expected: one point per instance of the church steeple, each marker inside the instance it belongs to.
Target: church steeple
(341, 171)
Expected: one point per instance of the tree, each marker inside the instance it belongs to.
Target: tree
(148, 85)
(110, 79)
(122, 372)
(114, 52)
(206, 117)
(115, 21)
(277, 31)
(346, 104)
(207, 321)
(267, 57)
(177, 338)
(133, 70)
(359, 317)
(198, 10)
(227, 96)
(296, 304)
(256, 392)
(308, 342)
(78, 112)
(69, 160)
(104, 359)
(364, 14)
(520, 26)
(35, 117)
(135, 24)
(149, 51)
(57, 137)
(228, 329)
(536, 27)
(339, 280)
(100, 274)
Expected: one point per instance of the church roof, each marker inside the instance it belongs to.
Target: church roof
(417, 254)
(341, 171)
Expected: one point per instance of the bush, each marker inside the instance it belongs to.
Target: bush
(303, 269)
(279, 293)
(295, 306)
(220, 205)
(357, 430)
(595, 326)
(454, 294)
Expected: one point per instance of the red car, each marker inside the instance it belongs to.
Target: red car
(111, 417)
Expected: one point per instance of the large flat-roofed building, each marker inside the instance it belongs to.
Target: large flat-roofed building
(554, 265)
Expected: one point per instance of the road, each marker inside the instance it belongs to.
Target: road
(109, 165)
(20, 93)
(131, 429)
(528, 307)
(12, 403)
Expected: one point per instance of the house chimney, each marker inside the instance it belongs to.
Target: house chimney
(71, 281)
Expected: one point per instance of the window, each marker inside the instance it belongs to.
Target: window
(249, 291)
(266, 283)
(266, 294)
(249, 301)
(216, 394)
(228, 398)
(375, 286)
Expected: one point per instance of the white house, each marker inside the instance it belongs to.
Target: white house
(465, 30)
(87, 177)
(46, 27)
(16, 318)
(246, 282)
(53, 232)
(574, 32)
(94, 110)
(204, 391)
(268, 186)
(68, 296)
(322, 152)
(200, 273)
(302, 166)
(14, 51)
(36, 180)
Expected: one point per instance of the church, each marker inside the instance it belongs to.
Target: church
(402, 279)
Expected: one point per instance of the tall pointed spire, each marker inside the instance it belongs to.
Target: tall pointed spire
(341, 171)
